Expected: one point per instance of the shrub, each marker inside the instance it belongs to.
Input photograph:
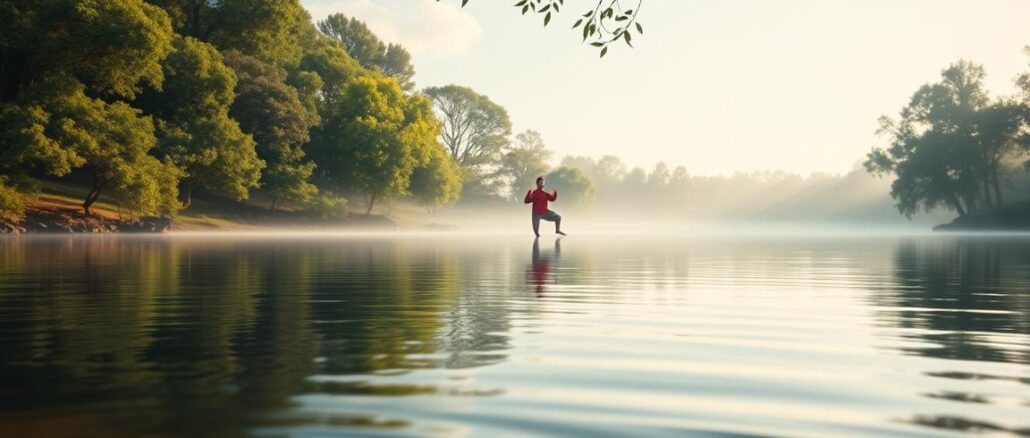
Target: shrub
(327, 207)
(12, 202)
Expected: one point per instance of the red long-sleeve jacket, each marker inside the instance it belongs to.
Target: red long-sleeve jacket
(539, 200)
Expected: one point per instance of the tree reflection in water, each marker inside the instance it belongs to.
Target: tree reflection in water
(962, 299)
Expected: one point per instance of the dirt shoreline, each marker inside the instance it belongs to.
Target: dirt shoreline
(47, 218)
(64, 220)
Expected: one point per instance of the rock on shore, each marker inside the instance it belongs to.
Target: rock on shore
(63, 220)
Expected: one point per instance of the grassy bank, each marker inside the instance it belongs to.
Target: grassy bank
(60, 203)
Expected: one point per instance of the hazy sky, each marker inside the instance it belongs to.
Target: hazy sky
(715, 85)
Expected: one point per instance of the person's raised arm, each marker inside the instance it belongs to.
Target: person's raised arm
(529, 197)
(553, 196)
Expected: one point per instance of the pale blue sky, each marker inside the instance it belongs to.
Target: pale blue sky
(715, 85)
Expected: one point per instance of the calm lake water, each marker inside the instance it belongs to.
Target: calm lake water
(492, 336)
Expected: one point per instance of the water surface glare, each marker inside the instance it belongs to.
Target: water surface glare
(179, 335)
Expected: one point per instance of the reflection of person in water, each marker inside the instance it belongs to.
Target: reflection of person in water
(540, 270)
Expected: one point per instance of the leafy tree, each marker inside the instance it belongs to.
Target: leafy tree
(575, 187)
(998, 138)
(111, 142)
(323, 75)
(12, 202)
(660, 175)
(438, 181)
(396, 62)
(375, 139)
(365, 47)
(61, 59)
(273, 113)
(635, 181)
(1023, 82)
(30, 141)
(271, 30)
(680, 179)
(475, 129)
(360, 42)
(85, 40)
(608, 22)
(606, 173)
(196, 132)
(327, 207)
(610, 169)
(948, 147)
(524, 162)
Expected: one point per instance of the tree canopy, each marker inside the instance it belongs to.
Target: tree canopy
(376, 139)
(272, 111)
(950, 144)
(437, 181)
(524, 162)
(365, 47)
(576, 189)
(475, 129)
(196, 132)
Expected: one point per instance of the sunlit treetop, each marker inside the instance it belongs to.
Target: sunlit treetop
(609, 21)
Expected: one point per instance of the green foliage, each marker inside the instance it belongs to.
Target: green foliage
(396, 62)
(375, 139)
(12, 202)
(196, 131)
(950, 144)
(273, 113)
(475, 129)
(151, 189)
(271, 30)
(610, 21)
(324, 73)
(85, 40)
(60, 129)
(55, 53)
(289, 182)
(30, 140)
(522, 164)
(145, 98)
(327, 207)
(111, 141)
(365, 47)
(574, 187)
(1023, 82)
(438, 181)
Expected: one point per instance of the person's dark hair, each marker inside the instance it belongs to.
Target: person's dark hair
(539, 178)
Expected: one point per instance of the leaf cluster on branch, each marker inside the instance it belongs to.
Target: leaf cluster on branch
(610, 21)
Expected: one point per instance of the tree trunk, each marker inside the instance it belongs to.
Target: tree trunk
(997, 190)
(187, 198)
(970, 202)
(957, 205)
(94, 193)
(371, 202)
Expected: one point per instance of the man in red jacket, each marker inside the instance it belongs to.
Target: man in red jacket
(539, 200)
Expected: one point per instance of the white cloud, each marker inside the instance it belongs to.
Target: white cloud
(425, 27)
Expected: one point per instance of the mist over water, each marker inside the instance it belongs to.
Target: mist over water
(473, 332)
